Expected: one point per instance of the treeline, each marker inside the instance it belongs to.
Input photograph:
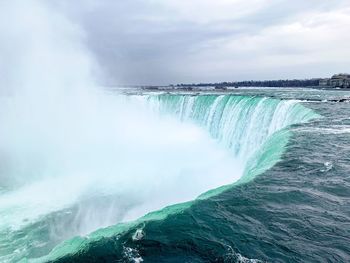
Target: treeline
(253, 83)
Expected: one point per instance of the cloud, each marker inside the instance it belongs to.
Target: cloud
(161, 42)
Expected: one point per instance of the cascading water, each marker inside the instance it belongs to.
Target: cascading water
(252, 130)
(241, 124)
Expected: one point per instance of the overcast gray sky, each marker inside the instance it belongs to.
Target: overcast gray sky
(185, 41)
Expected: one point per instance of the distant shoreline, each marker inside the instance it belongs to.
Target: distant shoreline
(336, 82)
(220, 89)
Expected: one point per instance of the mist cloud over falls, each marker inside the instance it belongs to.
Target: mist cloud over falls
(65, 143)
(39, 45)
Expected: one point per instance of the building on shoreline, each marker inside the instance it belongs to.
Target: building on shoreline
(337, 81)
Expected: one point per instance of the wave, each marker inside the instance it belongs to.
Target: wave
(253, 129)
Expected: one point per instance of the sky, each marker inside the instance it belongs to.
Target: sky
(158, 42)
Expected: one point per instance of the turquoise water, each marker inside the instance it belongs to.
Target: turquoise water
(290, 204)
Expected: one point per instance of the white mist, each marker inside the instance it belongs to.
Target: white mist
(64, 143)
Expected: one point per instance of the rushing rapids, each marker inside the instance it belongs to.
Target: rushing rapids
(254, 130)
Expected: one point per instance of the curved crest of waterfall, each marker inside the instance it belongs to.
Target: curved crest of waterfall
(254, 130)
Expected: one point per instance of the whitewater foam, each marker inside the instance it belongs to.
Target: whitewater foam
(224, 126)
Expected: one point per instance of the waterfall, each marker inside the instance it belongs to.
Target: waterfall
(245, 125)
(196, 147)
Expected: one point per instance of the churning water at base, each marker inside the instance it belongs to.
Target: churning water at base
(105, 181)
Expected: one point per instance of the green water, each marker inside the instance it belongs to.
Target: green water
(290, 204)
